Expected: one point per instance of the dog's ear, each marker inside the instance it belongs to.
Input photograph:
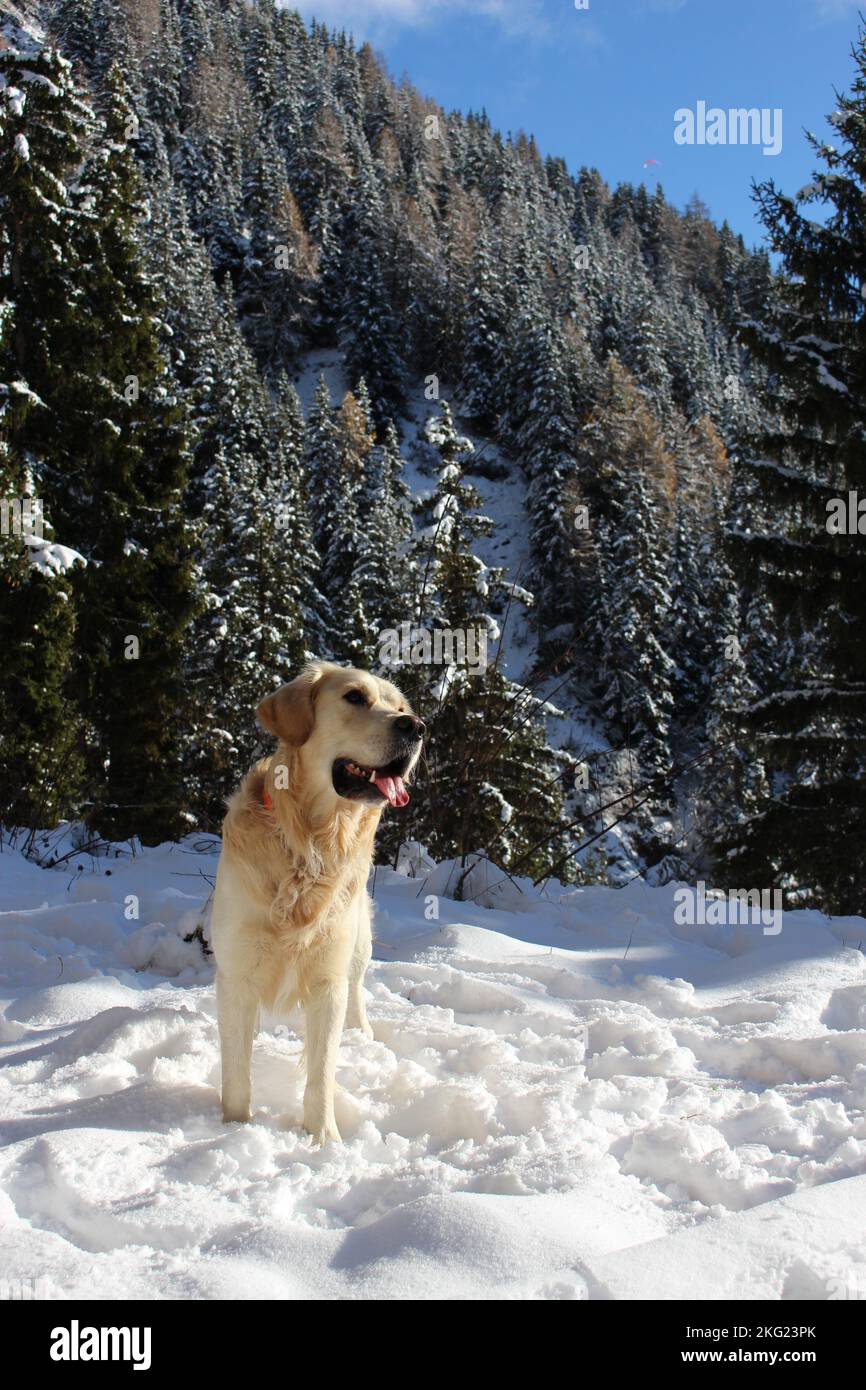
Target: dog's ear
(289, 712)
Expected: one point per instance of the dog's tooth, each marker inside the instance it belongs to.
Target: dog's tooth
(372, 776)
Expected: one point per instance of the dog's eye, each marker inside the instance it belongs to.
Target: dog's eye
(354, 697)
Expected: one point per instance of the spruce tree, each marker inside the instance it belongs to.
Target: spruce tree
(486, 736)
(300, 566)
(385, 528)
(276, 281)
(483, 381)
(371, 337)
(41, 771)
(256, 572)
(547, 443)
(130, 458)
(700, 575)
(107, 441)
(804, 547)
(635, 478)
(334, 470)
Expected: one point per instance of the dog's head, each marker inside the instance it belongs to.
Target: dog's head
(356, 735)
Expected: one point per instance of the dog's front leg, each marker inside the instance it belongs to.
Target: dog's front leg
(356, 1012)
(326, 1011)
(237, 1009)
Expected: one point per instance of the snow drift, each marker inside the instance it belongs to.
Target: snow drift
(568, 1096)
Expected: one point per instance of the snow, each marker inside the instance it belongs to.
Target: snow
(568, 1096)
(21, 31)
(49, 557)
(15, 99)
(736, 1258)
(39, 79)
(827, 379)
(22, 149)
(322, 362)
(23, 392)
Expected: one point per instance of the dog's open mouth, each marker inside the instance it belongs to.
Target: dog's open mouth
(357, 783)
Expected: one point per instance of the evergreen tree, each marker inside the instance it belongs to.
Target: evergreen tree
(107, 441)
(301, 566)
(276, 281)
(803, 553)
(371, 337)
(40, 729)
(483, 381)
(635, 473)
(334, 470)
(136, 594)
(547, 441)
(256, 573)
(486, 736)
(701, 576)
(385, 528)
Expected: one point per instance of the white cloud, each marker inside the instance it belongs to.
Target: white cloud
(377, 16)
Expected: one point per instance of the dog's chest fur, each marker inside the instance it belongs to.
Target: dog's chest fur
(302, 876)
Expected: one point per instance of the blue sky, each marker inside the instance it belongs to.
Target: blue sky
(600, 86)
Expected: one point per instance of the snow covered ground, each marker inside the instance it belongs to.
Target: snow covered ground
(568, 1096)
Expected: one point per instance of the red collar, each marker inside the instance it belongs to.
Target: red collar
(266, 801)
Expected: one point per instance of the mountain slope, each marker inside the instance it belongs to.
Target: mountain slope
(309, 209)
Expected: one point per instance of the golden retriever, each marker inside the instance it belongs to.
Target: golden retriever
(291, 915)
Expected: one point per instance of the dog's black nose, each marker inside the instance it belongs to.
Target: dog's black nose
(409, 724)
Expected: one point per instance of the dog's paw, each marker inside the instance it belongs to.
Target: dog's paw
(323, 1133)
(329, 1135)
(236, 1115)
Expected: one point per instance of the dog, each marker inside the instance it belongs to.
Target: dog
(291, 918)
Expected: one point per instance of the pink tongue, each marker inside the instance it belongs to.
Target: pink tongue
(394, 790)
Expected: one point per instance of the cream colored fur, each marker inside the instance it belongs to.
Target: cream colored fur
(291, 916)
